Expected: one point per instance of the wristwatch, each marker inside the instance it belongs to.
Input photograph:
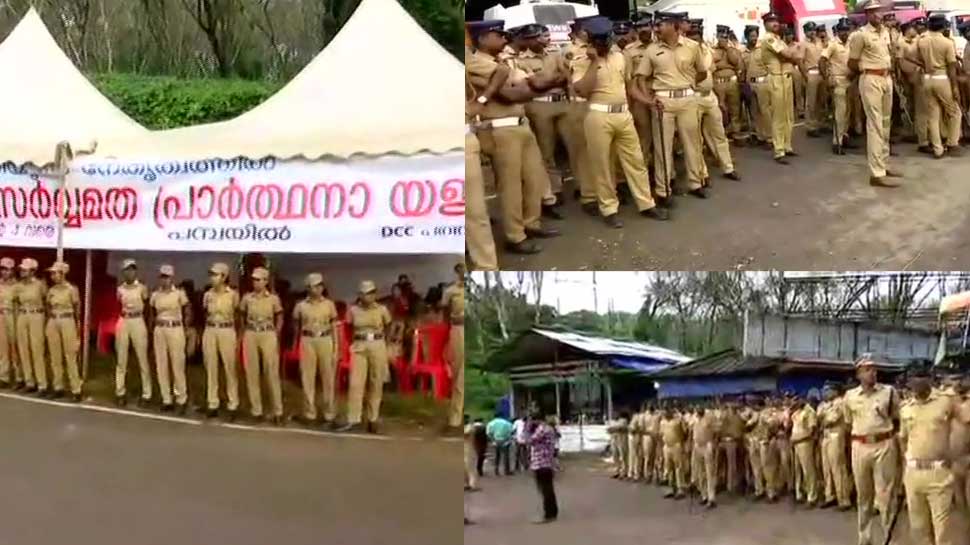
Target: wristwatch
(482, 99)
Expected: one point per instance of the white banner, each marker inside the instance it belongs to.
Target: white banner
(384, 205)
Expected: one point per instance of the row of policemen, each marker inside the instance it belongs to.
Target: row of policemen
(882, 443)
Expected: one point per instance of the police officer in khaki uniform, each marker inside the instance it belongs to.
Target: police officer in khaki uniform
(262, 314)
(870, 58)
(618, 429)
(478, 230)
(453, 300)
(576, 121)
(727, 67)
(910, 69)
(665, 80)
(674, 433)
(939, 63)
(642, 116)
(634, 469)
(369, 320)
(10, 371)
(131, 332)
(168, 305)
(755, 75)
(755, 438)
(704, 452)
(775, 52)
(834, 66)
(600, 78)
(651, 444)
(803, 432)
(219, 340)
(732, 441)
(31, 293)
(812, 50)
(835, 470)
(871, 411)
(924, 437)
(63, 317)
(505, 137)
(314, 321)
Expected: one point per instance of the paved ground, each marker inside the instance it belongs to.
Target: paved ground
(596, 509)
(818, 213)
(80, 476)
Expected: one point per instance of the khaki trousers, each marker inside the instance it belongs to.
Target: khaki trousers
(63, 344)
(9, 367)
(680, 116)
(782, 115)
(798, 92)
(712, 131)
(643, 122)
(649, 458)
(548, 120)
(457, 406)
(131, 332)
(813, 104)
(940, 101)
(729, 93)
(673, 455)
(757, 466)
(471, 472)
(771, 464)
(170, 358)
(805, 458)
(220, 342)
(961, 484)
(615, 131)
(762, 113)
(478, 230)
(835, 469)
(265, 345)
(840, 106)
(368, 372)
(922, 121)
(317, 357)
(877, 100)
(578, 155)
(929, 498)
(635, 466)
(733, 481)
(620, 451)
(874, 467)
(704, 469)
(520, 176)
(30, 343)
(857, 113)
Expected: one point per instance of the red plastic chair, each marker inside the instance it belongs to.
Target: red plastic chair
(402, 372)
(291, 359)
(429, 359)
(343, 357)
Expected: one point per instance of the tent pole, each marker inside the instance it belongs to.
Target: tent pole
(511, 400)
(558, 404)
(86, 323)
(62, 154)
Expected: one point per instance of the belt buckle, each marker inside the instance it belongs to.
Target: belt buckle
(370, 336)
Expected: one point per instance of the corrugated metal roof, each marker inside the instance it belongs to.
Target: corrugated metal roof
(726, 362)
(603, 346)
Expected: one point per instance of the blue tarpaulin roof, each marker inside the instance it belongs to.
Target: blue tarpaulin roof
(638, 365)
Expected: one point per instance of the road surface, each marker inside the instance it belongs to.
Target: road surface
(83, 476)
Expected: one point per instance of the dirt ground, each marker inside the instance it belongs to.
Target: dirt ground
(597, 509)
(817, 213)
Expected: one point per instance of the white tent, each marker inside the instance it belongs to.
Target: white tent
(343, 103)
(46, 100)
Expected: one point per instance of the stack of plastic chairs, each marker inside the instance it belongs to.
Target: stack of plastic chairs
(429, 359)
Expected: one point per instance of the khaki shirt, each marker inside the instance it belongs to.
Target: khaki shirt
(132, 296)
(830, 415)
(732, 425)
(547, 62)
(373, 319)
(260, 309)
(812, 51)
(936, 52)
(803, 423)
(672, 430)
(454, 297)
(651, 423)
(220, 306)
(871, 48)
(634, 52)
(722, 62)
(8, 293)
(838, 57)
(872, 412)
(63, 298)
(926, 427)
(315, 316)
(754, 66)
(707, 56)
(670, 67)
(168, 303)
(705, 428)
(909, 57)
(636, 424)
(771, 46)
(960, 429)
(480, 66)
(610, 85)
(30, 295)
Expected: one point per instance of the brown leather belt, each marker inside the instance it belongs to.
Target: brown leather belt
(927, 464)
(59, 315)
(31, 311)
(802, 440)
(168, 323)
(315, 334)
(368, 336)
(873, 438)
(220, 325)
(259, 328)
(131, 314)
(876, 72)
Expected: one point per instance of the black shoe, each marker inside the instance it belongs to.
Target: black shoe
(700, 193)
(525, 247)
(812, 133)
(542, 232)
(837, 149)
(212, 413)
(954, 151)
(790, 153)
(350, 428)
(666, 202)
(4, 385)
(76, 398)
(181, 408)
(613, 220)
(781, 160)
(711, 505)
(847, 144)
(19, 386)
(57, 394)
(167, 407)
(925, 149)
(657, 213)
(328, 425)
(144, 403)
(43, 393)
(231, 416)
(300, 419)
(121, 401)
(733, 175)
(548, 211)
(277, 421)
(372, 428)
(591, 208)
(30, 389)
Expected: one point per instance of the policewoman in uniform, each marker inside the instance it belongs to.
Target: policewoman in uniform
(454, 302)
(870, 57)
(131, 332)
(262, 314)
(169, 304)
(10, 371)
(31, 294)
(314, 319)
(63, 316)
(219, 340)
(369, 319)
